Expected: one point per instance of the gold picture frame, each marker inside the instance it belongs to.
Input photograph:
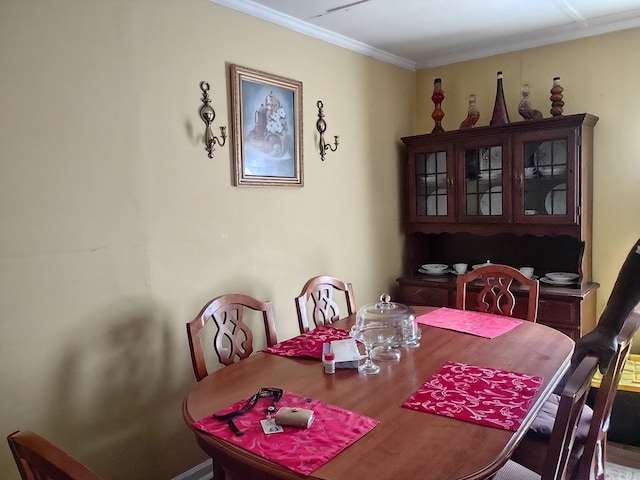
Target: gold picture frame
(267, 129)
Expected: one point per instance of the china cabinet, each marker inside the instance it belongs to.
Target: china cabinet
(517, 193)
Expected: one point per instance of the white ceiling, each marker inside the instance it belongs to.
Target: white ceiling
(429, 33)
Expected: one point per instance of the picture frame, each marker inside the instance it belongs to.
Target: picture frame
(266, 129)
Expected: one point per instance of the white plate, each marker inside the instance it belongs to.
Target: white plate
(448, 270)
(437, 179)
(553, 282)
(543, 156)
(478, 265)
(550, 171)
(556, 200)
(562, 276)
(491, 202)
(439, 208)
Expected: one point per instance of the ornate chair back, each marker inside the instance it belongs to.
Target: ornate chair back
(496, 290)
(233, 339)
(39, 459)
(325, 310)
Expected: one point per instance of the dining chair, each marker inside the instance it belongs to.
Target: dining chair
(589, 454)
(324, 310)
(233, 339)
(496, 290)
(572, 401)
(39, 459)
(594, 456)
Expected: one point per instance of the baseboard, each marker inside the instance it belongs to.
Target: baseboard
(204, 471)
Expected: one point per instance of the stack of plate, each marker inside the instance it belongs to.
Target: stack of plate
(434, 269)
(560, 278)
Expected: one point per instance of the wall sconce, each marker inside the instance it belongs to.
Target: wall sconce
(321, 125)
(207, 114)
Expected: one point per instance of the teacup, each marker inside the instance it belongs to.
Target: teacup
(460, 267)
(527, 271)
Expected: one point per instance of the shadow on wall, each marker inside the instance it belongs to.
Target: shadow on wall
(116, 390)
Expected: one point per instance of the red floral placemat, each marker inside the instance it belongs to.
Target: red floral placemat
(308, 344)
(466, 321)
(300, 450)
(487, 396)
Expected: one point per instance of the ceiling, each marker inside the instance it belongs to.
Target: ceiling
(430, 33)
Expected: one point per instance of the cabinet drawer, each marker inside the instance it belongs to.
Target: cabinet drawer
(431, 296)
(562, 314)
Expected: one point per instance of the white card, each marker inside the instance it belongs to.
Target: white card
(345, 350)
(269, 426)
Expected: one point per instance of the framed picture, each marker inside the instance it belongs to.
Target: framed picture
(267, 128)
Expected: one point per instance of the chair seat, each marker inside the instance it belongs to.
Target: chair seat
(543, 423)
(532, 451)
(515, 471)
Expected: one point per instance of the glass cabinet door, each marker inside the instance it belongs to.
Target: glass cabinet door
(430, 177)
(544, 180)
(486, 184)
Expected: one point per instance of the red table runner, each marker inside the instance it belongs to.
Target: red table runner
(308, 344)
(300, 450)
(495, 398)
(466, 321)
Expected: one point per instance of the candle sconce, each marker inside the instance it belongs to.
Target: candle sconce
(321, 125)
(208, 114)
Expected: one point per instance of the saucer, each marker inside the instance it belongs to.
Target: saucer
(448, 270)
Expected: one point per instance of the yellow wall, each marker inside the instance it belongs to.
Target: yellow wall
(117, 228)
(599, 76)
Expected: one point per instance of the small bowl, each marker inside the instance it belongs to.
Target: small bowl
(562, 277)
(435, 267)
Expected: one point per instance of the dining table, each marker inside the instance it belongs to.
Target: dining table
(404, 444)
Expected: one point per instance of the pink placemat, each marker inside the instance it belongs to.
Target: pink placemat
(495, 398)
(300, 450)
(308, 344)
(475, 323)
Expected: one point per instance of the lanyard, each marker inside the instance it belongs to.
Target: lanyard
(265, 392)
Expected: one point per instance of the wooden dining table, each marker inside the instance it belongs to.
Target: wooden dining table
(405, 444)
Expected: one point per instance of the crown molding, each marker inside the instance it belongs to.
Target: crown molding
(567, 33)
(286, 21)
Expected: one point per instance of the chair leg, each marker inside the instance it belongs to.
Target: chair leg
(218, 472)
(599, 457)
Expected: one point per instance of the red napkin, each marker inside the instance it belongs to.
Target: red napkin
(466, 321)
(300, 450)
(308, 344)
(495, 398)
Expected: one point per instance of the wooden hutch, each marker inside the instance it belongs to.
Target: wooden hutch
(518, 194)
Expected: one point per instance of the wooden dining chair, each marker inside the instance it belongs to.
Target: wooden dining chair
(325, 310)
(594, 456)
(233, 339)
(39, 459)
(589, 453)
(496, 291)
(572, 401)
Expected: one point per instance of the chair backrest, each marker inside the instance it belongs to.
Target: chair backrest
(233, 340)
(325, 309)
(594, 453)
(38, 459)
(572, 400)
(496, 295)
